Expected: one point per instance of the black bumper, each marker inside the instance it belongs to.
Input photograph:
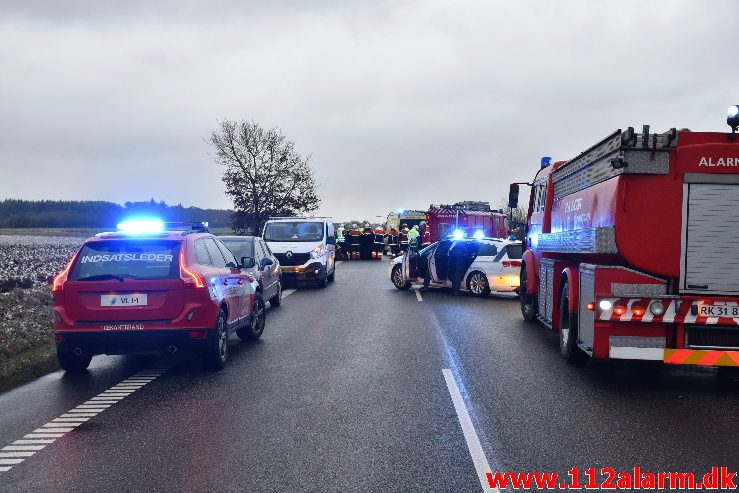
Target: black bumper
(131, 342)
(312, 272)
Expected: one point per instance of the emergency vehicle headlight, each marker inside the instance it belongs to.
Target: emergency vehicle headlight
(657, 308)
(141, 226)
(605, 305)
(479, 235)
(458, 234)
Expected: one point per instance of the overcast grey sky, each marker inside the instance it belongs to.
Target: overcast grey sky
(401, 103)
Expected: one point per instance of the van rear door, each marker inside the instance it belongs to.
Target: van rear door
(125, 279)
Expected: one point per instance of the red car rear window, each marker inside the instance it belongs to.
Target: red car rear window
(135, 259)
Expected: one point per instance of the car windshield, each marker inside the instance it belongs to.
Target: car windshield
(240, 248)
(135, 259)
(293, 231)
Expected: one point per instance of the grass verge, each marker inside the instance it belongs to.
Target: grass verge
(24, 367)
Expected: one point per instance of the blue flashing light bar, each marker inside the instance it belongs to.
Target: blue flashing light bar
(141, 226)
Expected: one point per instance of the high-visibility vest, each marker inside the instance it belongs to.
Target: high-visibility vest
(413, 235)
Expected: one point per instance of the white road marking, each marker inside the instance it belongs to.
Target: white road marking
(288, 292)
(418, 294)
(9, 455)
(10, 462)
(78, 416)
(339, 262)
(470, 435)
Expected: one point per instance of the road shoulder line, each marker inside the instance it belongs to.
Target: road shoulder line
(470, 435)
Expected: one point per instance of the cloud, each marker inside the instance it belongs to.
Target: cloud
(400, 103)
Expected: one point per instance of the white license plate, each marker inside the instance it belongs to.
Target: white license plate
(123, 300)
(726, 311)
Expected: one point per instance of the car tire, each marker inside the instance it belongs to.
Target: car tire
(257, 320)
(216, 353)
(72, 363)
(529, 302)
(568, 322)
(276, 300)
(396, 276)
(477, 284)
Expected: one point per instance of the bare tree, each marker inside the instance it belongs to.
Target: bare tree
(516, 219)
(264, 174)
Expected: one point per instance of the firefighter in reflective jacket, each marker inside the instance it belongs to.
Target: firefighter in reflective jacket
(340, 242)
(414, 237)
(379, 244)
(353, 242)
(367, 242)
(392, 241)
(404, 238)
(425, 234)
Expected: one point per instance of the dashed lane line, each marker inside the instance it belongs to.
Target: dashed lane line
(418, 295)
(24, 448)
(288, 292)
(470, 435)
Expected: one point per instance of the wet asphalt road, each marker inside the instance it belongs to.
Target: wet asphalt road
(345, 392)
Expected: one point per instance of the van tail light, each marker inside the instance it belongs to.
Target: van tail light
(190, 277)
(57, 284)
(511, 263)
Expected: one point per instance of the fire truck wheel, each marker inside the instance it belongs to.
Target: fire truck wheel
(568, 347)
(397, 277)
(529, 302)
(477, 284)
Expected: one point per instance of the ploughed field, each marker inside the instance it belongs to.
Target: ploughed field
(27, 264)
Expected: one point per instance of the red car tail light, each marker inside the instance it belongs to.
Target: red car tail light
(190, 277)
(58, 283)
(511, 263)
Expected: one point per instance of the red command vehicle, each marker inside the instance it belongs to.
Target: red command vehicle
(142, 290)
(632, 249)
(469, 217)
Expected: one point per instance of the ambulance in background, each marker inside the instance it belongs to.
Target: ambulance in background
(398, 219)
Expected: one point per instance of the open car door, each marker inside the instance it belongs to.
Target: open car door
(439, 263)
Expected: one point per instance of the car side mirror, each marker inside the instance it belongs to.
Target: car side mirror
(266, 262)
(513, 196)
(247, 262)
(331, 240)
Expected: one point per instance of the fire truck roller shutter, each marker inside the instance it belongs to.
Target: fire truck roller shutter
(711, 253)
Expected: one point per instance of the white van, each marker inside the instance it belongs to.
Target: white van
(305, 247)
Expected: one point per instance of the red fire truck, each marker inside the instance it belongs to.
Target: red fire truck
(469, 217)
(632, 248)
